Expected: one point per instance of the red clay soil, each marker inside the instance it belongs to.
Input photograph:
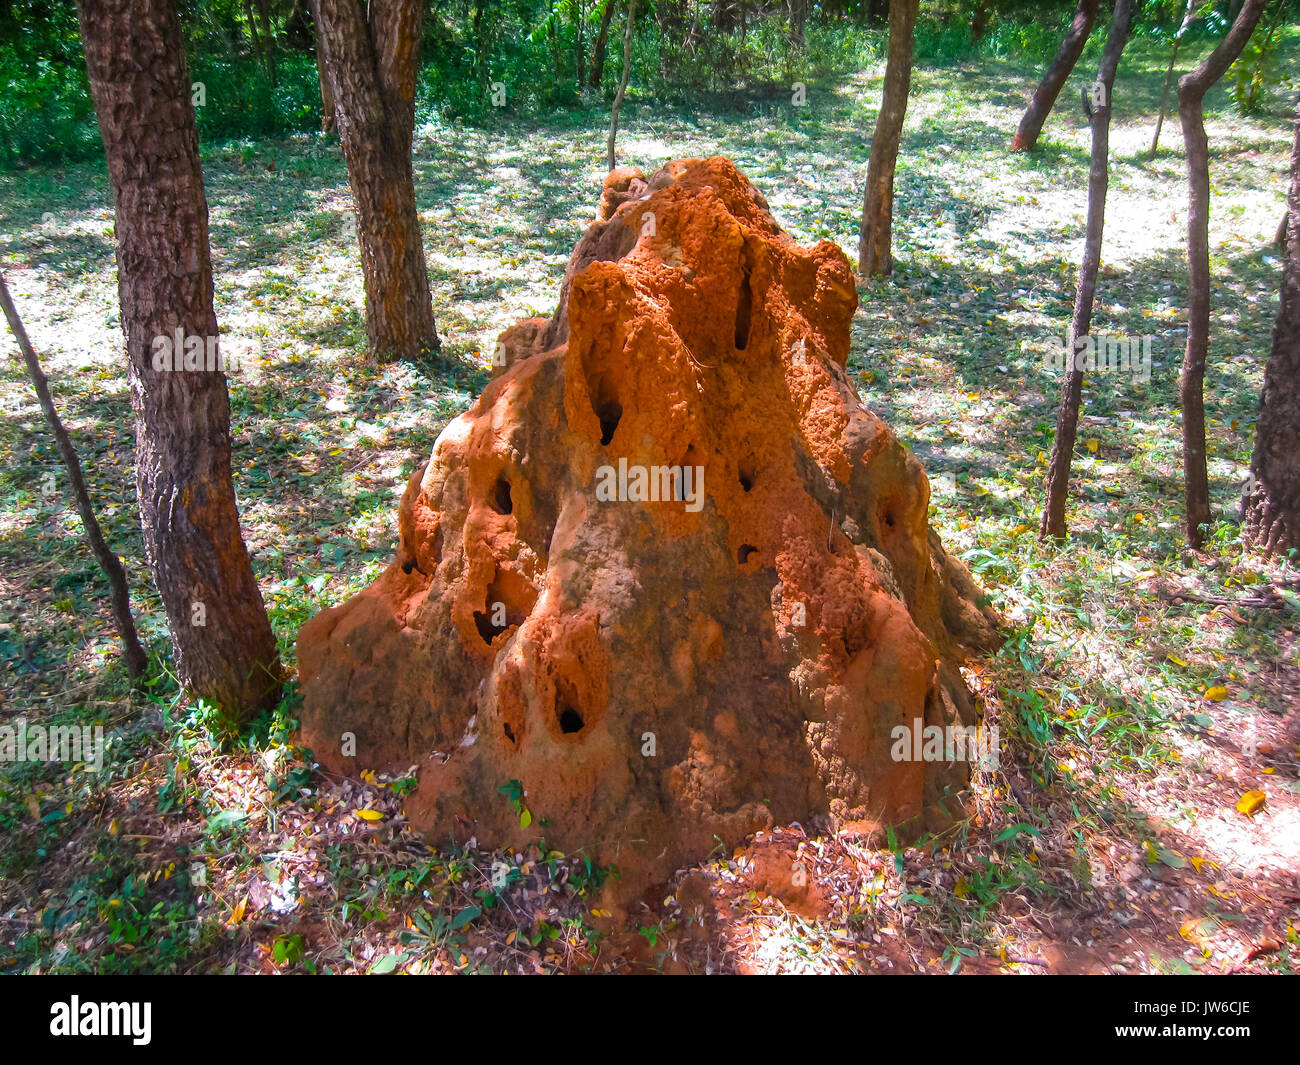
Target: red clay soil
(661, 675)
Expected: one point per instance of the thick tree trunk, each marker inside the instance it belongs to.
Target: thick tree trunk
(1271, 501)
(1191, 92)
(875, 240)
(602, 40)
(119, 592)
(328, 123)
(224, 648)
(1169, 72)
(1058, 71)
(1067, 420)
(372, 70)
(622, 83)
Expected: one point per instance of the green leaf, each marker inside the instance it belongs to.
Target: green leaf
(1012, 831)
(525, 819)
(465, 916)
(226, 819)
(387, 964)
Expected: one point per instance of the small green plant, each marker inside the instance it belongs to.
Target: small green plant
(514, 791)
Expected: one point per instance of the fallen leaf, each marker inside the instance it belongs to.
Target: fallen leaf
(1250, 802)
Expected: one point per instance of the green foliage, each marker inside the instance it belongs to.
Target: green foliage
(1259, 72)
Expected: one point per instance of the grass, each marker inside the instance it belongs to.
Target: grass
(1110, 824)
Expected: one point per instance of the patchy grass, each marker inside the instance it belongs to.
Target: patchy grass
(1143, 689)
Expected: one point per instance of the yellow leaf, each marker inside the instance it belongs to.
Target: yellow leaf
(1196, 929)
(370, 815)
(1216, 694)
(1092, 446)
(867, 376)
(1250, 802)
(1176, 660)
(1021, 528)
(237, 914)
(1197, 863)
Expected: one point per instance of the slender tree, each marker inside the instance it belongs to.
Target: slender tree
(875, 239)
(1271, 499)
(1188, 15)
(224, 649)
(328, 123)
(119, 593)
(602, 41)
(1067, 420)
(622, 83)
(1192, 88)
(1054, 79)
(370, 58)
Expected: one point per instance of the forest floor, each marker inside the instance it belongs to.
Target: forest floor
(1143, 691)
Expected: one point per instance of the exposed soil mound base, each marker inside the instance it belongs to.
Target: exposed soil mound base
(668, 573)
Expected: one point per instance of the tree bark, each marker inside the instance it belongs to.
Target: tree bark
(372, 70)
(1192, 88)
(622, 83)
(1169, 72)
(1058, 71)
(875, 240)
(1271, 500)
(602, 40)
(328, 123)
(119, 593)
(141, 88)
(1067, 420)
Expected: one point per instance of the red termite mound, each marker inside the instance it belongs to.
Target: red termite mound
(668, 572)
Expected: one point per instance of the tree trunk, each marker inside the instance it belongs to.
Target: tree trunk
(1058, 71)
(798, 19)
(1169, 71)
(1192, 88)
(1067, 420)
(480, 51)
(1271, 502)
(268, 41)
(328, 123)
(602, 39)
(119, 592)
(224, 648)
(372, 71)
(622, 83)
(579, 55)
(875, 241)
